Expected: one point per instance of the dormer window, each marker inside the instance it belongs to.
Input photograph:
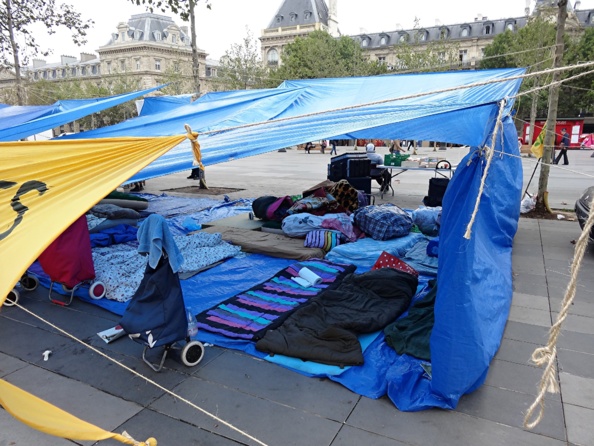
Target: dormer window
(403, 37)
(510, 26)
(444, 32)
(307, 15)
(157, 36)
(279, 18)
(173, 38)
(488, 28)
(384, 39)
(422, 35)
(465, 31)
(365, 41)
(293, 17)
(122, 36)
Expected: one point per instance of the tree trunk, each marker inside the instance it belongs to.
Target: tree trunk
(195, 62)
(15, 55)
(549, 140)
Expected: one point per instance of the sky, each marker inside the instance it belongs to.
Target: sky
(227, 21)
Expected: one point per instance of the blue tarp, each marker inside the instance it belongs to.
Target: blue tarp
(159, 104)
(22, 121)
(474, 277)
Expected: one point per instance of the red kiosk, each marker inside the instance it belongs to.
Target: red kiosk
(573, 126)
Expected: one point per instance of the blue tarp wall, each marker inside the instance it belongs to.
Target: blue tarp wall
(475, 281)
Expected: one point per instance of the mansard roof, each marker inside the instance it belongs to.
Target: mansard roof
(150, 27)
(300, 12)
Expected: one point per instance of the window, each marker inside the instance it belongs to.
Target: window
(173, 38)
(293, 17)
(441, 56)
(158, 64)
(94, 69)
(83, 71)
(403, 38)
(63, 72)
(488, 30)
(137, 35)
(176, 67)
(157, 36)
(279, 18)
(365, 42)
(45, 74)
(464, 32)
(137, 64)
(272, 57)
(123, 65)
(463, 56)
(509, 27)
(422, 35)
(383, 40)
(208, 72)
(122, 36)
(444, 32)
(108, 67)
(54, 74)
(73, 71)
(307, 15)
(381, 59)
(36, 75)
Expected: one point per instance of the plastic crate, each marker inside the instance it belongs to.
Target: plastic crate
(394, 159)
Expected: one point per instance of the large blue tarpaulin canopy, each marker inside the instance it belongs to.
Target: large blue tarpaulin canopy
(474, 277)
(19, 122)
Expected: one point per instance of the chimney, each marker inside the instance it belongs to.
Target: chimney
(39, 63)
(85, 57)
(477, 18)
(437, 22)
(67, 60)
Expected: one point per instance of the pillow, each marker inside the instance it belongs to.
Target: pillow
(112, 211)
(386, 260)
(322, 239)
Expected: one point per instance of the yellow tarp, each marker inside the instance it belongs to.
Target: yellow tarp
(537, 148)
(52, 420)
(45, 186)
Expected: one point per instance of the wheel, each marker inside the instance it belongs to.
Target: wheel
(251, 215)
(13, 298)
(192, 353)
(97, 290)
(443, 164)
(29, 283)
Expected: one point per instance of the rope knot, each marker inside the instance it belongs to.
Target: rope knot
(542, 355)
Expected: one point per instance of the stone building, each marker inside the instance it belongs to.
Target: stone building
(148, 49)
(297, 18)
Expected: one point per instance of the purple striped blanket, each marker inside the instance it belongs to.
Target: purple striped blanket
(250, 314)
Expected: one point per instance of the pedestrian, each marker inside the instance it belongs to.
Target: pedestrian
(308, 146)
(333, 145)
(563, 145)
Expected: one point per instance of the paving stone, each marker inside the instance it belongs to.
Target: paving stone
(440, 427)
(515, 377)
(14, 432)
(580, 324)
(580, 342)
(350, 436)
(9, 364)
(531, 301)
(526, 332)
(578, 307)
(82, 400)
(270, 422)
(576, 363)
(275, 383)
(508, 407)
(579, 425)
(168, 431)
(530, 316)
(530, 284)
(531, 264)
(577, 390)
(518, 352)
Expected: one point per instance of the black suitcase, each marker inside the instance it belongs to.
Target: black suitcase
(437, 189)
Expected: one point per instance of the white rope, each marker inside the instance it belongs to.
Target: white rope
(490, 153)
(150, 381)
(550, 84)
(547, 355)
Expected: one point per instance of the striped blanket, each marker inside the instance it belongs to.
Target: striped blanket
(250, 314)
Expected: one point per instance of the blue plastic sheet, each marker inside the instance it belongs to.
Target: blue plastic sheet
(307, 110)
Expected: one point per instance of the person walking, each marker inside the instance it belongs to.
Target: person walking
(563, 148)
(333, 145)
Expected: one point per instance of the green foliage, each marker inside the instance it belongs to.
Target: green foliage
(241, 66)
(577, 96)
(319, 55)
(16, 18)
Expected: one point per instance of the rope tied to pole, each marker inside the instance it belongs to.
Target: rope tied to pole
(193, 137)
(489, 151)
(547, 355)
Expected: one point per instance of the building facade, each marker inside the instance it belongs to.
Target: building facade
(297, 18)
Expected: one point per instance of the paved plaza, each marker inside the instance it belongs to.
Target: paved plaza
(281, 407)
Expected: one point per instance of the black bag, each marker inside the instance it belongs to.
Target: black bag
(260, 205)
(156, 311)
(437, 189)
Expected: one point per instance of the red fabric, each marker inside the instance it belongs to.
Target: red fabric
(68, 259)
(386, 260)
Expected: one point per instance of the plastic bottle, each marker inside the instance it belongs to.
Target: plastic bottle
(192, 324)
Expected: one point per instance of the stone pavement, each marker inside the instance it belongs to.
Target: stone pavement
(280, 407)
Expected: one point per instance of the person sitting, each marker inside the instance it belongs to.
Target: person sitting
(382, 176)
